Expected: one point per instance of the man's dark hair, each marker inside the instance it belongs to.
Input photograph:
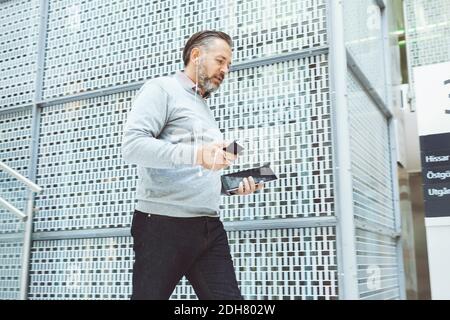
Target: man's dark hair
(202, 39)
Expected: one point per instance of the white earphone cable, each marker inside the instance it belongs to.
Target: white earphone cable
(200, 168)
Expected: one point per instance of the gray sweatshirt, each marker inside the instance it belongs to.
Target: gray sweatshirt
(166, 123)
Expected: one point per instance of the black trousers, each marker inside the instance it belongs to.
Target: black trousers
(168, 248)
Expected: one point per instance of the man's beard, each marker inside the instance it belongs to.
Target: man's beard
(205, 82)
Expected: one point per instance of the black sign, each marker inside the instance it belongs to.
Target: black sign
(437, 208)
(435, 142)
(434, 192)
(435, 155)
(435, 175)
(434, 159)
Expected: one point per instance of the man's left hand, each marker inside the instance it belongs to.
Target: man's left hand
(248, 186)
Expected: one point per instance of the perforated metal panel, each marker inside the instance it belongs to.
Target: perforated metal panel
(371, 160)
(290, 126)
(15, 142)
(364, 40)
(97, 268)
(270, 264)
(281, 113)
(428, 31)
(98, 43)
(86, 183)
(373, 205)
(286, 263)
(10, 266)
(377, 260)
(281, 264)
(18, 51)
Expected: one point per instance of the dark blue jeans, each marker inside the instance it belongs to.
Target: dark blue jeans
(167, 248)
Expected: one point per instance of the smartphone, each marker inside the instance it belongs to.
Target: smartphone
(234, 148)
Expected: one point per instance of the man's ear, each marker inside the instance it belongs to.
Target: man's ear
(195, 54)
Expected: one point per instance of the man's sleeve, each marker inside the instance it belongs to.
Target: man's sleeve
(147, 118)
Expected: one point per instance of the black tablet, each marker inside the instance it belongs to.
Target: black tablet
(231, 181)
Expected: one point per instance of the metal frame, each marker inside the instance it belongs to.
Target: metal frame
(136, 85)
(365, 83)
(345, 231)
(13, 237)
(16, 108)
(36, 117)
(229, 226)
(383, 231)
(411, 92)
(393, 152)
(30, 184)
(341, 60)
(5, 204)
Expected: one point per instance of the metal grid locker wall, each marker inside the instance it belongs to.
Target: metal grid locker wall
(94, 54)
(427, 33)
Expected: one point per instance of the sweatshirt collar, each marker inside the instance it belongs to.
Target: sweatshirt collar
(188, 84)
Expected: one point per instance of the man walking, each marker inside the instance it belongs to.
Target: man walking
(173, 138)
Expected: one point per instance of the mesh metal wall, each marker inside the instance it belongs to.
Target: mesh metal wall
(371, 159)
(98, 43)
(86, 183)
(282, 108)
(15, 139)
(364, 40)
(10, 267)
(18, 51)
(370, 149)
(270, 264)
(427, 32)
(285, 117)
(377, 266)
(98, 268)
(286, 263)
(373, 205)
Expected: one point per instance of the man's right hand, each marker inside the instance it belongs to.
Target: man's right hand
(212, 156)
